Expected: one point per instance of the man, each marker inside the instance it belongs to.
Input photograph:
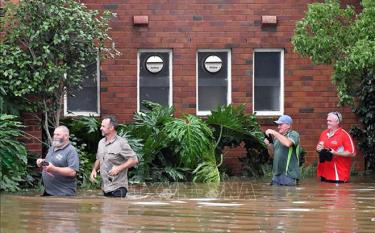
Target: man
(285, 152)
(114, 158)
(60, 165)
(336, 149)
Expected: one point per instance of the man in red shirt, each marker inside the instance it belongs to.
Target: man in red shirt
(337, 147)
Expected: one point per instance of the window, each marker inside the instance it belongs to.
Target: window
(154, 77)
(85, 101)
(268, 84)
(213, 81)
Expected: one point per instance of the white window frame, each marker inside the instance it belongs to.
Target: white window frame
(281, 97)
(66, 113)
(229, 78)
(170, 94)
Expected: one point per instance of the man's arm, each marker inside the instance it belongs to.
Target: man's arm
(282, 139)
(131, 162)
(342, 154)
(95, 168)
(65, 171)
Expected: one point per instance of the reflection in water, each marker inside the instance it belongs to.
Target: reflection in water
(227, 207)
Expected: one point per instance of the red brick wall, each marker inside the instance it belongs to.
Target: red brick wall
(186, 26)
(33, 136)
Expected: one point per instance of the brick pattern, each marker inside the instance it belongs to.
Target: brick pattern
(185, 26)
(33, 136)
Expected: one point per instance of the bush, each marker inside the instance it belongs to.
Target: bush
(13, 154)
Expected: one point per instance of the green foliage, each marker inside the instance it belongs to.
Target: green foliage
(9, 105)
(365, 135)
(12, 153)
(233, 126)
(85, 130)
(168, 148)
(207, 172)
(193, 136)
(45, 49)
(331, 35)
(155, 154)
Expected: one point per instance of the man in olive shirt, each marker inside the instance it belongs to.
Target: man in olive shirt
(114, 158)
(285, 152)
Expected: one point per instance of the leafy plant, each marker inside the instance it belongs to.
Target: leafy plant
(232, 126)
(193, 136)
(45, 49)
(13, 153)
(148, 129)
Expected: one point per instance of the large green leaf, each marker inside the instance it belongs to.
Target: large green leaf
(193, 136)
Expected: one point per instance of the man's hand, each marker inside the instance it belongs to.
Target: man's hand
(39, 162)
(50, 168)
(270, 132)
(93, 175)
(320, 146)
(114, 171)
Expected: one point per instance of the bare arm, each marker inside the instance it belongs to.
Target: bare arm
(65, 171)
(282, 139)
(95, 168)
(342, 154)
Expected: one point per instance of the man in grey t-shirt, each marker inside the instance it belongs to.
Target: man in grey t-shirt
(114, 158)
(60, 165)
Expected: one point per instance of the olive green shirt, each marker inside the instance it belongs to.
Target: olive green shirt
(280, 157)
(114, 153)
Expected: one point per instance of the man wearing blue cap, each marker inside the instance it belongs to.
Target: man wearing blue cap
(285, 152)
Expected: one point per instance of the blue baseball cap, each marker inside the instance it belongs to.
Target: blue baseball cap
(284, 119)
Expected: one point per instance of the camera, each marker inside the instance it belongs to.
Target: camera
(44, 163)
(269, 138)
(325, 155)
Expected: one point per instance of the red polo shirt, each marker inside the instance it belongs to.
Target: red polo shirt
(339, 167)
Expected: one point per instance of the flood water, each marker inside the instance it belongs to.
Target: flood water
(232, 206)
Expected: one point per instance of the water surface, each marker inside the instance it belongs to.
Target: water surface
(232, 206)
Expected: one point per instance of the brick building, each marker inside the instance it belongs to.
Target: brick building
(198, 54)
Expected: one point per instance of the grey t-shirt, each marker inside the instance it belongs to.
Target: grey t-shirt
(54, 183)
(114, 153)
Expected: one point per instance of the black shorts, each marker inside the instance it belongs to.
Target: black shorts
(120, 192)
(331, 181)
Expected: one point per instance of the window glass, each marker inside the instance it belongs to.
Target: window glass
(213, 76)
(267, 81)
(154, 78)
(85, 99)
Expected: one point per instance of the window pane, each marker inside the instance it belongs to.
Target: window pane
(85, 99)
(211, 97)
(212, 87)
(154, 86)
(267, 81)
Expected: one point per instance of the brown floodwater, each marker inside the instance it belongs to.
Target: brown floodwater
(232, 206)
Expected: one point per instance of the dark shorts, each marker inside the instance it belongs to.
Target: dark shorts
(45, 194)
(284, 180)
(331, 181)
(120, 192)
